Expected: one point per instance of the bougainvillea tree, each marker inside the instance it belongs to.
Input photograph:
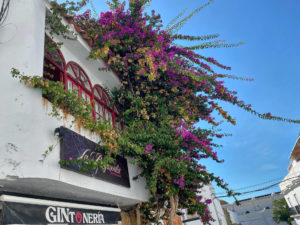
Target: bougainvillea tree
(165, 90)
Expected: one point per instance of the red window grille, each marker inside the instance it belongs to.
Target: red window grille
(75, 79)
(103, 111)
(54, 62)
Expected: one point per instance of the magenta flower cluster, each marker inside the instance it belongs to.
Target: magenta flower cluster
(180, 182)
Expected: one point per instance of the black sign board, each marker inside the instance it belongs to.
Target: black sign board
(75, 146)
(20, 213)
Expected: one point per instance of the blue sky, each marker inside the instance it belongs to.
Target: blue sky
(258, 150)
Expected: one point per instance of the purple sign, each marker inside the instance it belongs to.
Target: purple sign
(75, 146)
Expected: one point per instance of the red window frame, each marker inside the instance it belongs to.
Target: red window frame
(103, 99)
(78, 81)
(66, 77)
(51, 60)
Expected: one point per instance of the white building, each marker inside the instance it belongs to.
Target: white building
(215, 208)
(290, 186)
(46, 192)
(254, 211)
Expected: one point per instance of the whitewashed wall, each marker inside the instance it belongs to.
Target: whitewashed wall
(26, 130)
(290, 185)
(215, 208)
(255, 211)
(292, 197)
(290, 188)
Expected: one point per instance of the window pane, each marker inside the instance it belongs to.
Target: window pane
(52, 52)
(116, 110)
(88, 99)
(99, 111)
(70, 86)
(106, 98)
(75, 88)
(70, 71)
(76, 69)
(83, 95)
(108, 116)
(82, 77)
(98, 108)
(84, 80)
(118, 125)
(87, 85)
(96, 93)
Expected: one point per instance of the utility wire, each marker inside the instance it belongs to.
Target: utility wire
(261, 189)
(4, 11)
(255, 185)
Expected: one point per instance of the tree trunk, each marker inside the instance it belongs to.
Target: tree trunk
(173, 205)
(138, 215)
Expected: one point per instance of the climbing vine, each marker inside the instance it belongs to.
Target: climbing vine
(67, 102)
(165, 90)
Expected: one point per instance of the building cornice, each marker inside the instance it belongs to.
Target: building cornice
(296, 150)
(294, 184)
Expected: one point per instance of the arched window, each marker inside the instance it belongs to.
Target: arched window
(54, 62)
(103, 111)
(76, 79)
(118, 124)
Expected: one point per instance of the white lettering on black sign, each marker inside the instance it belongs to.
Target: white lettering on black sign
(21, 213)
(65, 215)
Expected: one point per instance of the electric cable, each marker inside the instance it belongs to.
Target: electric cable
(255, 185)
(261, 189)
(4, 11)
